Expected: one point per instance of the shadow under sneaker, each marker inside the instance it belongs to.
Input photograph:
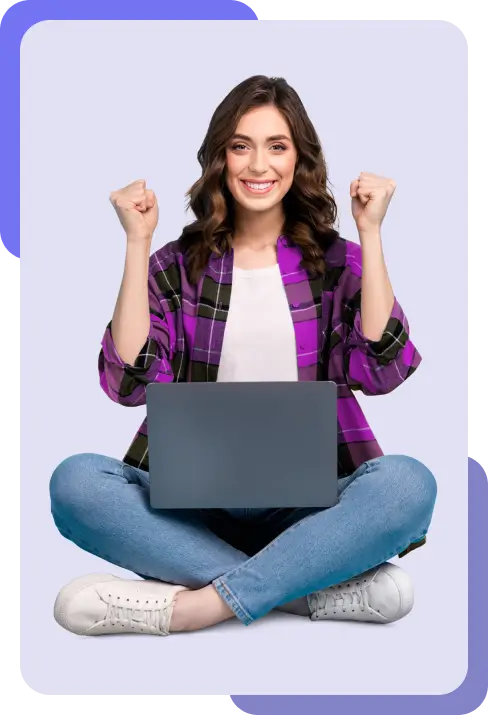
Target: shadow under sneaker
(102, 604)
(381, 595)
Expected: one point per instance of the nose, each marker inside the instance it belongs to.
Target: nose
(258, 163)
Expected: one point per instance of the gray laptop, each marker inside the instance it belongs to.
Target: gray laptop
(233, 445)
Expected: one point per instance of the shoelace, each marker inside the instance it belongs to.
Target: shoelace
(352, 598)
(143, 618)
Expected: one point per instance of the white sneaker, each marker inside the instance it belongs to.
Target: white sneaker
(381, 595)
(100, 604)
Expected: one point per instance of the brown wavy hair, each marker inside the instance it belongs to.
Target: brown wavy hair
(309, 207)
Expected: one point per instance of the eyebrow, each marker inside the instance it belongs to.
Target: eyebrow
(274, 138)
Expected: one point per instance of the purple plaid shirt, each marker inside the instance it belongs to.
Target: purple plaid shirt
(187, 330)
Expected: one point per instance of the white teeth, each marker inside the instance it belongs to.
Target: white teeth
(258, 187)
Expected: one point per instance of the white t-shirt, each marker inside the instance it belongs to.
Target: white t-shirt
(259, 338)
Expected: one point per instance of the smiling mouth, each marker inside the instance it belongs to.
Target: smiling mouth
(258, 187)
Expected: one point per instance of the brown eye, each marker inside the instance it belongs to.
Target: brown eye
(238, 147)
(279, 147)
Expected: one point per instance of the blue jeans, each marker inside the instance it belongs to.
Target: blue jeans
(257, 559)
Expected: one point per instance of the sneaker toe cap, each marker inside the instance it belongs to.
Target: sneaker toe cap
(80, 611)
(391, 593)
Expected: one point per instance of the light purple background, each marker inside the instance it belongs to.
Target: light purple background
(106, 103)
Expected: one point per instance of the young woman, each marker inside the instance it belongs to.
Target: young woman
(259, 287)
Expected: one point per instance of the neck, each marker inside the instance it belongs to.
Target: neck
(257, 229)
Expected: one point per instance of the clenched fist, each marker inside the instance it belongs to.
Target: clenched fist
(137, 209)
(370, 197)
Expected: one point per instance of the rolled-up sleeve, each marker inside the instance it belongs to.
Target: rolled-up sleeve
(374, 367)
(126, 384)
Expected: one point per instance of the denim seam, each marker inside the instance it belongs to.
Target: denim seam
(224, 591)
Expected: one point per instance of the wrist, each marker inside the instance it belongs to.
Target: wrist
(370, 234)
(138, 252)
(138, 244)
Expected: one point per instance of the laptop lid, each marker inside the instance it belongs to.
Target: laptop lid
(242, 445)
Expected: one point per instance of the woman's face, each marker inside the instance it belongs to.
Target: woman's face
(260, 159)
